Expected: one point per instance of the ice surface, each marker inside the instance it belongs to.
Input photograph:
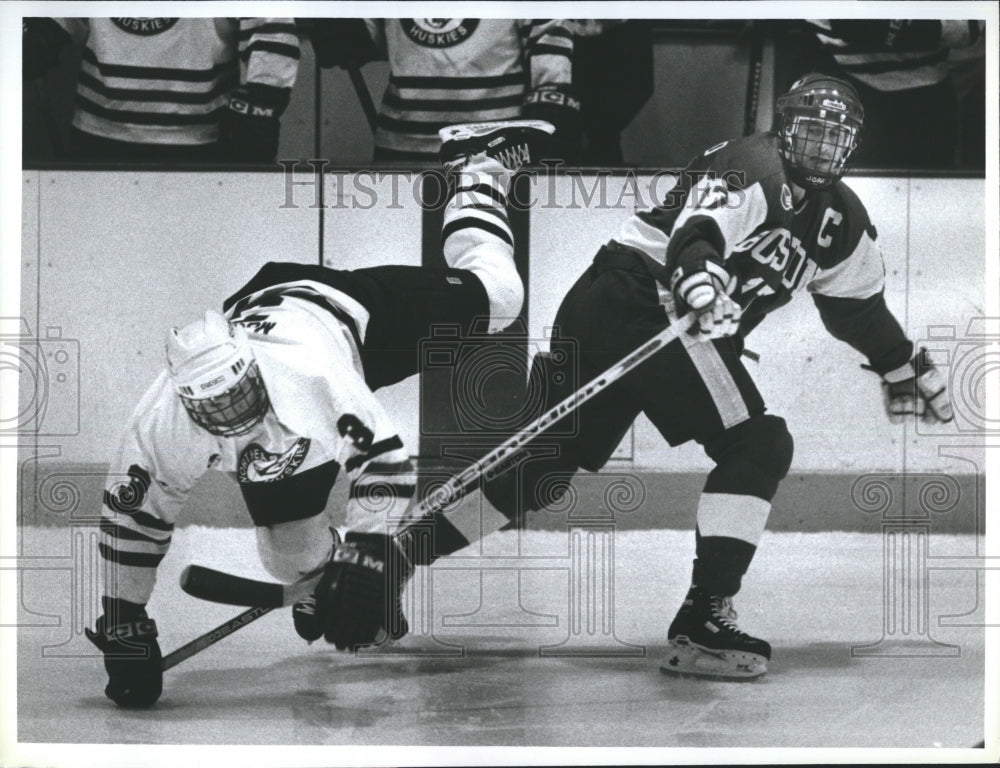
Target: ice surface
(549, 639)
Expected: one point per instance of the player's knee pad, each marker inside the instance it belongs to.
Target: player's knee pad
(751, 458)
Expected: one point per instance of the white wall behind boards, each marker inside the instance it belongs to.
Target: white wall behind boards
(112, 259)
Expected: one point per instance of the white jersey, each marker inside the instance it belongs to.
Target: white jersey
(323, 420)
(165, 80)
(447, 71)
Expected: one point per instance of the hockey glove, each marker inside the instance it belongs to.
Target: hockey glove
(556, 104)
(916, 388)
(703, 293)
(250, 125)
(358, 599)
(127, 638)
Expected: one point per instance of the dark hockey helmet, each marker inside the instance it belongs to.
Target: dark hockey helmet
(214, 371)
(819, 122)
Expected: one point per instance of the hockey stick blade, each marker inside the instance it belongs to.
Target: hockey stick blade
(211, 637)
(218, 587)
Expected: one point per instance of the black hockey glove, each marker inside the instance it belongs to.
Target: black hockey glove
(357, 602)
(916, 388)
(558, 105)
(132, 658)
(249, 127)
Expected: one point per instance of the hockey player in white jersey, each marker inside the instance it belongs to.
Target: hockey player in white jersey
(448, 71)
(276, 392)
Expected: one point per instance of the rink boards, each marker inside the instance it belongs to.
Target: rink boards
(110, 259)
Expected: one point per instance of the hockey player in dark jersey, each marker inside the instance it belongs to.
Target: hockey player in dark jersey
(276, 392)
(751, 223)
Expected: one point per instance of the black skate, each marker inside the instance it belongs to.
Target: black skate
(705, 642)
(514, 143)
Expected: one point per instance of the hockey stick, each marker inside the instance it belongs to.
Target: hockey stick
(216, 586)
(754, 74)
(213, 636)
(361, 89)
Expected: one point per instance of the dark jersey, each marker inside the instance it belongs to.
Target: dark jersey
(733, 214)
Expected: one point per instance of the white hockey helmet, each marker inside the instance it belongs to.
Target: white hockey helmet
(214, 372)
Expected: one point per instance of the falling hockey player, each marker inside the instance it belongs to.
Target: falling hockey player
(751, 223)
(277, 393)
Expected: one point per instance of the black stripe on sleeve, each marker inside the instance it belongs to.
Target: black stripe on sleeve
(134, 559)
(144, 519)
(270, 46)
(267, 28)
(121, 532)
(551, 50)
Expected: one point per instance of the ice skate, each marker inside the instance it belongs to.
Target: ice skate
(705, 642)
(514, 143)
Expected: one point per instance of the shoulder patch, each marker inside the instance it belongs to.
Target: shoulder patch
(786, 197)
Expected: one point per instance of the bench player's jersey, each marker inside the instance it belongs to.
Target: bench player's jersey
(323, 421)
(732, 213)
(166, 80)
(448, 71)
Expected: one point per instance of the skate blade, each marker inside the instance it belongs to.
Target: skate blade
(463, 131)
(732, 666)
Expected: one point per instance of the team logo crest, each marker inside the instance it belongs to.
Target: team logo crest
(144, 26)
(786, 197)
(439, 33)
(257, 465)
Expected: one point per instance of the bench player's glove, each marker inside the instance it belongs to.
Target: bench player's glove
(558, 105)
(127, 638)
(703, 293)
(357, 601)
(916, 388)
(250, 125)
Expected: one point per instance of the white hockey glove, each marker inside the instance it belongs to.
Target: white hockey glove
(916, 388)
(718, 315)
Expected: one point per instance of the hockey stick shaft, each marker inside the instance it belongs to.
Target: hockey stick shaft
(364, 96)
(213, 636)
(216, 586)
(755, 72)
